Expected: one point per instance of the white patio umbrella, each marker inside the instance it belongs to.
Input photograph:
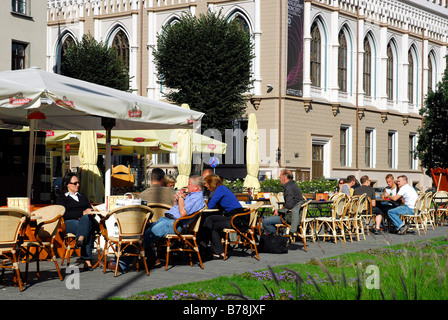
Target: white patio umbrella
(60, 102)
(90, 180)
(184, 155)
(252, 154)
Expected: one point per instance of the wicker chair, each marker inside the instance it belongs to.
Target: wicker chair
(415, 220)
(159, 210)
(366, 214)
(12, 223)
(48, 221)
(357, 224)
(185, 241)
(246, 237)
(131, 225)
(427, 213)
(333, 225)
(306, 229)
(441, 209)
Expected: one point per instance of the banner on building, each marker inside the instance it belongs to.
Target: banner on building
(294, 83)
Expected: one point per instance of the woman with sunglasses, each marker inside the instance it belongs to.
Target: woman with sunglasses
(77, 218)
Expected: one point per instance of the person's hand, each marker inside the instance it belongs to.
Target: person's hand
(275, 212)
(87, 211)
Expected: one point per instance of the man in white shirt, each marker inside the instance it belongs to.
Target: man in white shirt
(409, 195)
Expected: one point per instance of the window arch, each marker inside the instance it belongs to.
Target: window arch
(315, 55)
(367, 68)
(390, 73)
(429, 74)
(65, 41)
(410, 77)
(342, 62)
(241, 19)
(121, 44)
(431, 71)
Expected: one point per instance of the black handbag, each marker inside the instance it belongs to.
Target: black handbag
(273, 243)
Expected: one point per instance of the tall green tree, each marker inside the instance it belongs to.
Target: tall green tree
(205, 61)
(93, 61)
(432, 147)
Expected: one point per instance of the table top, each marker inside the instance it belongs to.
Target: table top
(321, 202)
(247, 205)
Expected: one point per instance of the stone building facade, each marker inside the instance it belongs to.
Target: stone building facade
(363, 70)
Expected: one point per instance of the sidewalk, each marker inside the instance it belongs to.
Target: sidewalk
(94, 285)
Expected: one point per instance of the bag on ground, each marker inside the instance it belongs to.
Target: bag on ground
(273, 243)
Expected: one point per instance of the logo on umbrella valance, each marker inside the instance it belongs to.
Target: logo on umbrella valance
(135, 112)
(19, 100)
(64, 102)
(139, 139)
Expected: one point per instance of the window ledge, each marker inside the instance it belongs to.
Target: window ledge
(22, 15)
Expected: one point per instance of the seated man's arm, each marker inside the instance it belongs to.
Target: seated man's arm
(396, 197)
(181, 204)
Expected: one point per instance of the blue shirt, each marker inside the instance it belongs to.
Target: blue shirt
(193, 202)
(225, 198)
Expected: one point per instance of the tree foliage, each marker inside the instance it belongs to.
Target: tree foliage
(432, 148)
(205, 61)
(93, 61)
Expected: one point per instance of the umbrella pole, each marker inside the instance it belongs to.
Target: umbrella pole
(107, 181)
(31, 150)
(108, 124)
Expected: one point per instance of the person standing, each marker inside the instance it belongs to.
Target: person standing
(409, 196)
(293, 201)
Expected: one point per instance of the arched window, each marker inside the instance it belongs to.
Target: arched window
(315, 55)
(67, 42)
(410, 77)
(342, 62)
(390, 74)
(121, 44)
(367, 69)
(242, 22)
(430, 81)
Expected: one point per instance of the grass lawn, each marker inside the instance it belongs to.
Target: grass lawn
(402, 272)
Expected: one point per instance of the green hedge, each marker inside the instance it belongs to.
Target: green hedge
(274, 185)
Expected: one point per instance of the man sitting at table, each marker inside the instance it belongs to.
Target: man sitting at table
(347, 187)
(184, 204)
(368, 190)
(291, 208)
(157, 192)
(409, 196)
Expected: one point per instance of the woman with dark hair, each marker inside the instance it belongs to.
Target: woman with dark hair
(227, 202)
(77, 218)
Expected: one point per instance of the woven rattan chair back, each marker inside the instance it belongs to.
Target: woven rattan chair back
(49, 218)
(132, 219)
(11, 222)
(159, 210)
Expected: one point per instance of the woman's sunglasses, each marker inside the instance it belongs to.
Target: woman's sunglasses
(74, 183)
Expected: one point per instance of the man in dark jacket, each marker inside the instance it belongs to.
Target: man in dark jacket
(291, 208)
